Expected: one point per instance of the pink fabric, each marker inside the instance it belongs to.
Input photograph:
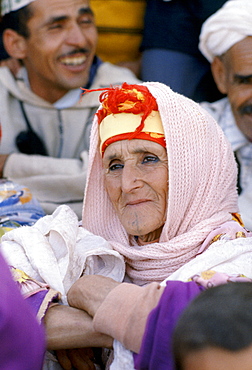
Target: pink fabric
(209, 279)
(228, 231)
(202, 190)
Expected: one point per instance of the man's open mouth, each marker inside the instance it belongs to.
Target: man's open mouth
(73, 60)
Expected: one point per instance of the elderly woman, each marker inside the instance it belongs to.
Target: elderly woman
(161, 189)
(161, 178)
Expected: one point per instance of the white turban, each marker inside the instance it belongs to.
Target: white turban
(229, 25)
(8, 6)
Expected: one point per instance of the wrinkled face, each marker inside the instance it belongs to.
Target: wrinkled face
(238, 83)
(136, 179)
(61, 46)
(218, 359)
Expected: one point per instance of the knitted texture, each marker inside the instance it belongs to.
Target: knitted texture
(201, 190)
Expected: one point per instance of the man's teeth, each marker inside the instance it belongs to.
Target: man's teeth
(73, 61)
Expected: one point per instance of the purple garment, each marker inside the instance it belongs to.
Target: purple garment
(36, 300)
(156, 347)
(22, 338)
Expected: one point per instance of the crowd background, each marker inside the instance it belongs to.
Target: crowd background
(202, 50)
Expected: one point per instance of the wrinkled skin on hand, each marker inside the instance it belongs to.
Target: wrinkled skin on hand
(89, 292)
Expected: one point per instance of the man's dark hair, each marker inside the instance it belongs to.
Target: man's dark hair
(218, 317)
(17, 21)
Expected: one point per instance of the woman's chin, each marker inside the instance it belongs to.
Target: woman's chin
(144, 234)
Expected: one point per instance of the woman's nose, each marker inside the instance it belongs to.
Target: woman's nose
(131, 178)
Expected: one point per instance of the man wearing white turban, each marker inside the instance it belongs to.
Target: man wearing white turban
(226, 41)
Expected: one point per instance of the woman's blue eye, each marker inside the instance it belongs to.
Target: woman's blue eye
(150, 158)
(116, 166)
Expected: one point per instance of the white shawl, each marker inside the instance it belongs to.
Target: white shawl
(57, 251)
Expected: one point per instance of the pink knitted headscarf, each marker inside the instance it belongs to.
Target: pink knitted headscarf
(202, 190)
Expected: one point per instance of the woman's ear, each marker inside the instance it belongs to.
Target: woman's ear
(219, 72)
(14, 44)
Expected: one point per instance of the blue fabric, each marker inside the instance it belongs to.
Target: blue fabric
(182, 72)
(176, 24)
(18, 207)
(93, 70)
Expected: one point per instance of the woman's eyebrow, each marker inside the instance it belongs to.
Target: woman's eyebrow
(140, 150)
(110, 157)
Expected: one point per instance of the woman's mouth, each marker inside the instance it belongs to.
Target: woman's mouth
(138, 201)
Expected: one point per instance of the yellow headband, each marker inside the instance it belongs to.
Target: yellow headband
(127, 123)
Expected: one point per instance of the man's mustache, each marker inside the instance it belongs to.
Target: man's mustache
(246, 109)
